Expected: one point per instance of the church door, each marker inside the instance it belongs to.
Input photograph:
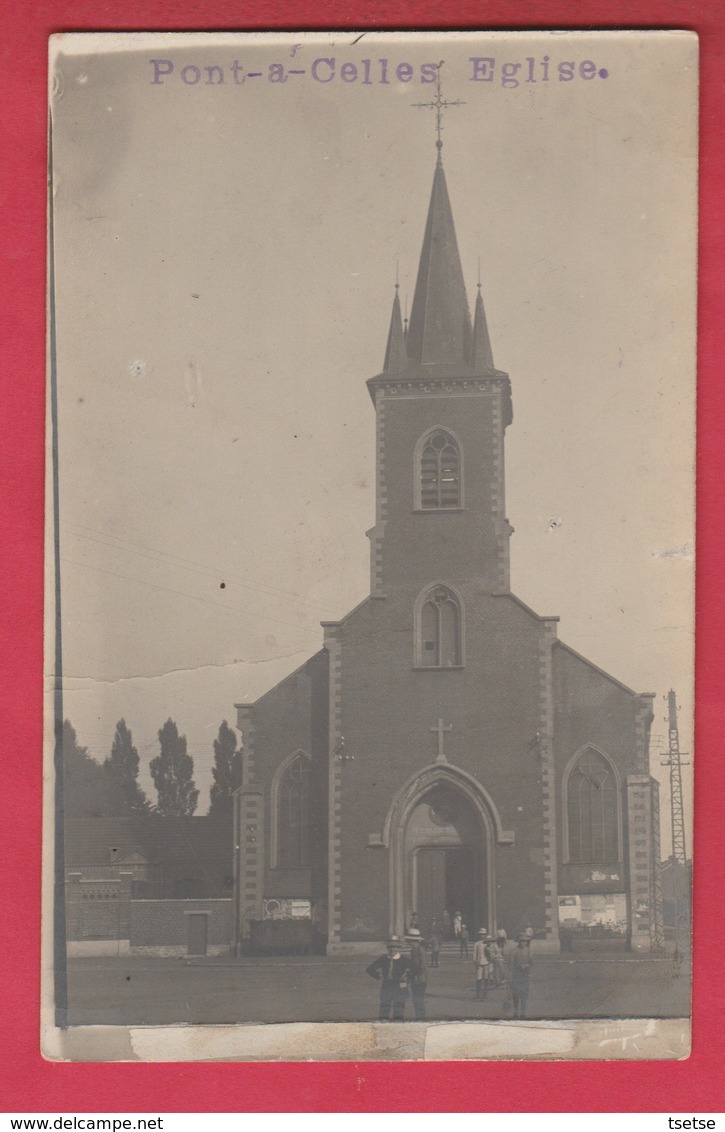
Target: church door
(431, 878)
(446, 882)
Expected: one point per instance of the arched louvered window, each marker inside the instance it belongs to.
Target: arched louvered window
(439, 629)
(592, 811)
(293, 814)
(440, 472)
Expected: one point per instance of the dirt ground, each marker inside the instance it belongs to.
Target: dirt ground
(138, 990)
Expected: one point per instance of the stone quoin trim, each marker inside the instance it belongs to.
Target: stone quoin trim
(497, 495)
(333, 644)
(548, 775)
(382, 490)
(245, 726)
(640, 819)
(249, 842)
(377, 534)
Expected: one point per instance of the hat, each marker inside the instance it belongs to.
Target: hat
(482, 931)
(394, 941)
(413, 933)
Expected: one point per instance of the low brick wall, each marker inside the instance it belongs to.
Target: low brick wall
(161, 927)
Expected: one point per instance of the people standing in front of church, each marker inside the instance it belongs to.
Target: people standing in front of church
(521, 974)
(393, 970)
(457, 925)
(480, 965)
(418, 973)
(463, 940)
(435, 948)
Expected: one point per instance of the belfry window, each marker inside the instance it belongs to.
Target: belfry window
(439, 630)
(293, 814)
(440, 472)
(592, 809)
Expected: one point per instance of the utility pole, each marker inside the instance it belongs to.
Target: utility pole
(656, 917)
(680, 886)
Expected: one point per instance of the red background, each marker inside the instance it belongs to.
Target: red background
(27, 1082)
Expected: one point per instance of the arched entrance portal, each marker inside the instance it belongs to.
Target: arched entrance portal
(445, 851)
(440, 832)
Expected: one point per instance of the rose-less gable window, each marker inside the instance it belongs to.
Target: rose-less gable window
(438, 472)
(438, 637)
(291, 796)
(592, 809)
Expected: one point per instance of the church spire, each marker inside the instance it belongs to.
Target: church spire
(440, 321)
(396, 355)
(481, 353)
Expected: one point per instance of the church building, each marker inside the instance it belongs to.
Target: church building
(444, 751)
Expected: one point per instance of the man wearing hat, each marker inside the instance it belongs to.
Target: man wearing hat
(495, 958)
(418, 972)
(520, 974)
(393, 969)
(481, 964)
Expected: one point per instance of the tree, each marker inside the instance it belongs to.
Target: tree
(122, 768)
(226, 772)
(172, 772)
(87, 791)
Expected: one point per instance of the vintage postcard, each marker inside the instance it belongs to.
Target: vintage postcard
(370, 545)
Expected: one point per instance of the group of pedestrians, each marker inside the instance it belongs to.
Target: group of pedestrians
(403, 970)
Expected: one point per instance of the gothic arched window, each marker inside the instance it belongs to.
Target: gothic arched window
(439, 629)
(439, 471)
(592, 810)
(293, 814)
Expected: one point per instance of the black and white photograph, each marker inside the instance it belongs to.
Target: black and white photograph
(370, 545)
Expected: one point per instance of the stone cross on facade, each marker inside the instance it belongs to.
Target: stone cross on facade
(440, 729)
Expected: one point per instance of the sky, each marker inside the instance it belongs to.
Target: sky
(226, 254)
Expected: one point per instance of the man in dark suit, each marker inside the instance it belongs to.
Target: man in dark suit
(393, 971)
(418, 972)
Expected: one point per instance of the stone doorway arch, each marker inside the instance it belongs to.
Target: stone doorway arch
(443, 822)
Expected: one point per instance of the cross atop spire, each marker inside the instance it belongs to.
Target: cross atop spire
(439, 104)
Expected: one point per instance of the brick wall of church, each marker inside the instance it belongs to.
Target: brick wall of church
(433, 546)
(292, 717)
(388, 708)
(591, 708)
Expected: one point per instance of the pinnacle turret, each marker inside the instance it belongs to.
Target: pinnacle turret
(481, 353)
(396, 355)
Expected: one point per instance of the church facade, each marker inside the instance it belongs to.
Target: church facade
(444, 751)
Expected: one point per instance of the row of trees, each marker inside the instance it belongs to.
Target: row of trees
(111, 788)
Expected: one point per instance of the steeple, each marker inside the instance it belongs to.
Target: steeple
(440, 321)
(481, 353)
(396, 356)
